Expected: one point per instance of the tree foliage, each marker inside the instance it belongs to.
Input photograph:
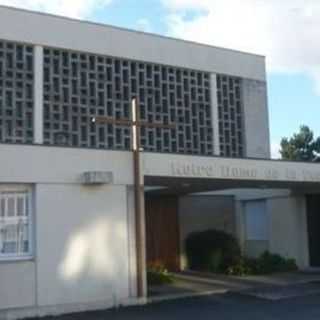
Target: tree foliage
(302, 146)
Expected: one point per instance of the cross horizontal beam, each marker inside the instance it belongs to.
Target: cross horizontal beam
(129, 123)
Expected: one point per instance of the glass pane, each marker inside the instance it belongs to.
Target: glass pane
(27, 205)
(2, 207)
(256, 221)
(9, 247)
(11, 209)
(25, 239)
(9, 236)
(20, 207)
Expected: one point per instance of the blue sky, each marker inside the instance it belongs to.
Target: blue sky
(286, 31)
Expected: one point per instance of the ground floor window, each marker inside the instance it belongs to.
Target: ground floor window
(15, 221)
(257, 222)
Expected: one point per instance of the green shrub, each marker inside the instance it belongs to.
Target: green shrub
(267, 263)
(242, 268)
(212, 250)
(157, 274)
(218, 252)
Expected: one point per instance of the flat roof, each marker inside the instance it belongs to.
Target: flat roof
(190, 174)
(80, 35)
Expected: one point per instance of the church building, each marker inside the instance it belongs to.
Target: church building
(90, 194)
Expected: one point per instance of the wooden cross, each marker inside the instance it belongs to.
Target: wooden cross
(136, 125)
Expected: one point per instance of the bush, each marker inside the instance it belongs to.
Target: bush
(157, 274)
(267, 263)
(218, 252)
(242, 268)
(212, 250)
(270, 263)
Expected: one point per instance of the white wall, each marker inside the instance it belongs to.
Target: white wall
(54, 31)
(17, 284)
(84, 235)
(288, 228)
(222, 169)
(82, 244)
(40, 164)
(256, 119)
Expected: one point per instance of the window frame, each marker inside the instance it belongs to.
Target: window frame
(15, 188)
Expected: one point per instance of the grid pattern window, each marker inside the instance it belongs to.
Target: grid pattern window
(79, 86)
(15, 223)
(230, 110)
(16, 92)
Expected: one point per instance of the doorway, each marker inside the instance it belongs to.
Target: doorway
(162, 231)
(313, 219)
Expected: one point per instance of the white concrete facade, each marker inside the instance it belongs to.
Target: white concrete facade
(84, 254)
(43, 30)
(256, 119)
(38, 93)
(55, 31)
(214, 105)
(84, 246)
(83, 240)
(286, 227)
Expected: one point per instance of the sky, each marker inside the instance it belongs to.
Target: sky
(287, 32)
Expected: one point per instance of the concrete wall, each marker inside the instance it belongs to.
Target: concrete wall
(18, 284)
(288, 228)
(40, 164)
(257, 173)
(87, 259)
(200, 213)
(54, 31)
(84, 254)
(256, 119)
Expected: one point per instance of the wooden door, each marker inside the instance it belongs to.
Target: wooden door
(163, 231)
(313, 215)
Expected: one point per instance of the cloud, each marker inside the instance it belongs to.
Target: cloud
(70, 8)
(286, 31)
(275, 150)
(144, 25)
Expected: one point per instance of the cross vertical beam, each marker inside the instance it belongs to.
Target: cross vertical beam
(139, 203)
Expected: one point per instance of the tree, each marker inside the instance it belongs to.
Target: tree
(302, 146)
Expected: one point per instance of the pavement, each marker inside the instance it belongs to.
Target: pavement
(227, 306)
(293, 296)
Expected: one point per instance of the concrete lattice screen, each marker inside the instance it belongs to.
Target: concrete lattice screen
(78, 86)
(16, 92)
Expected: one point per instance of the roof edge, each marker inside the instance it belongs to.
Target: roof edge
(84, 21)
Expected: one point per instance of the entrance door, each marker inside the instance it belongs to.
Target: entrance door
(162, 231)
(313, 216)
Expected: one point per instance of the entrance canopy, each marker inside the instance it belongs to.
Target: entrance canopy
(169, 173)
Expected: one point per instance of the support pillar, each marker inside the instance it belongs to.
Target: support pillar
(38, 95)
(215, 114)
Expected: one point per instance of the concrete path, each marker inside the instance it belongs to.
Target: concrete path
(274, 287)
